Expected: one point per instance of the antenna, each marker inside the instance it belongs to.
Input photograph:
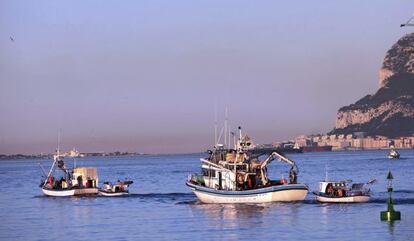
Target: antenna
(58, 143)
(225, 126)
(240, 138)
(221, 134)
(215, 123)
(229, 133)
(234, 141)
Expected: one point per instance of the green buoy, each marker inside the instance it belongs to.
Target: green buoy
(390, 214)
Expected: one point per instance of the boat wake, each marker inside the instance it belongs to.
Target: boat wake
(191, 199)
(173, 195)
(396, 201)
(402, 191)
(168, 196)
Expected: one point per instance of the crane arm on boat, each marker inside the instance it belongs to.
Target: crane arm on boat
(294, 170)
(281, 157)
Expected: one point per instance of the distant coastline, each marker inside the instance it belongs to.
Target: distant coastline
(48, 156)
(4, 157)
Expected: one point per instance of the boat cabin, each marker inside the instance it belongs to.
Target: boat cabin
(85, 177)
(227, 169)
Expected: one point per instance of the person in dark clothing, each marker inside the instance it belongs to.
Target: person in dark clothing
(80, 182)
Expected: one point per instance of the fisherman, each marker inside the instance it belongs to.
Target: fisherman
(50, 181)
(340, 192)
(61, 182)
(293, 176)
(80, 181)
(330, 190)
(120, 185)
(250, 182)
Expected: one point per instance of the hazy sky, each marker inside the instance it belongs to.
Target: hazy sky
(145, 75)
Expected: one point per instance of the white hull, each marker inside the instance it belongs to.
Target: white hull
(393, 157)
(58, 193)
(285, 193)
(70, 192)
(112, 194)
(86, 191)
(354, 199)
(279, 196)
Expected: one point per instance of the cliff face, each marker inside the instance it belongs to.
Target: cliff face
(390, 111)
(399, 59)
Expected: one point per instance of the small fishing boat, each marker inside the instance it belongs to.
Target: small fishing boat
(343, 192)
(118, 189)
(393, 153)
(239, 176)
(76, 181)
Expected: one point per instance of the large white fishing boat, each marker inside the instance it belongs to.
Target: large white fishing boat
(343, 192)
(76, 181)
(238, 176)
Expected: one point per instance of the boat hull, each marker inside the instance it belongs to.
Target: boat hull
(393, 157)
(86, 191)
(58, 193)
(282, 193)
(69, 192)
(352, 199)
(112, 194)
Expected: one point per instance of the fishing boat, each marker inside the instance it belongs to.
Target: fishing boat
(75, 181)
(238, 176)
(115, 190)
(343, 192)
(393, 153)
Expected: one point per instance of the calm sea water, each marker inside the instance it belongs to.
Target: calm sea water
(161, 207)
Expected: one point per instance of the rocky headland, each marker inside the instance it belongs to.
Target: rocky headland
(390, 111)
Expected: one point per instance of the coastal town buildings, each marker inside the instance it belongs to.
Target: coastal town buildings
(356, 141)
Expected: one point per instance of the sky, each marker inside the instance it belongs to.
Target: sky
(150, 76)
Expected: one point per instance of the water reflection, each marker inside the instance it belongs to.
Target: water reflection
(246, 215)
(391, 227)
(229, 211)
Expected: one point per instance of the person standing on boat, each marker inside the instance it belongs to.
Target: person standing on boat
(293, 176)
(330, 190)
(51, 180)
(80, 182)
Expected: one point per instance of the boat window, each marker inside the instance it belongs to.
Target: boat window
(208, 172)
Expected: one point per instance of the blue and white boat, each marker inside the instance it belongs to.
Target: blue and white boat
(343, 192)
(238, 176)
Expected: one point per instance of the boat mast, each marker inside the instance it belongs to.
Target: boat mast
(58, 143)
(55, 158)
(225, 127)
(234, 141)
(215, 124)
(238, 150)
(229, 139)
